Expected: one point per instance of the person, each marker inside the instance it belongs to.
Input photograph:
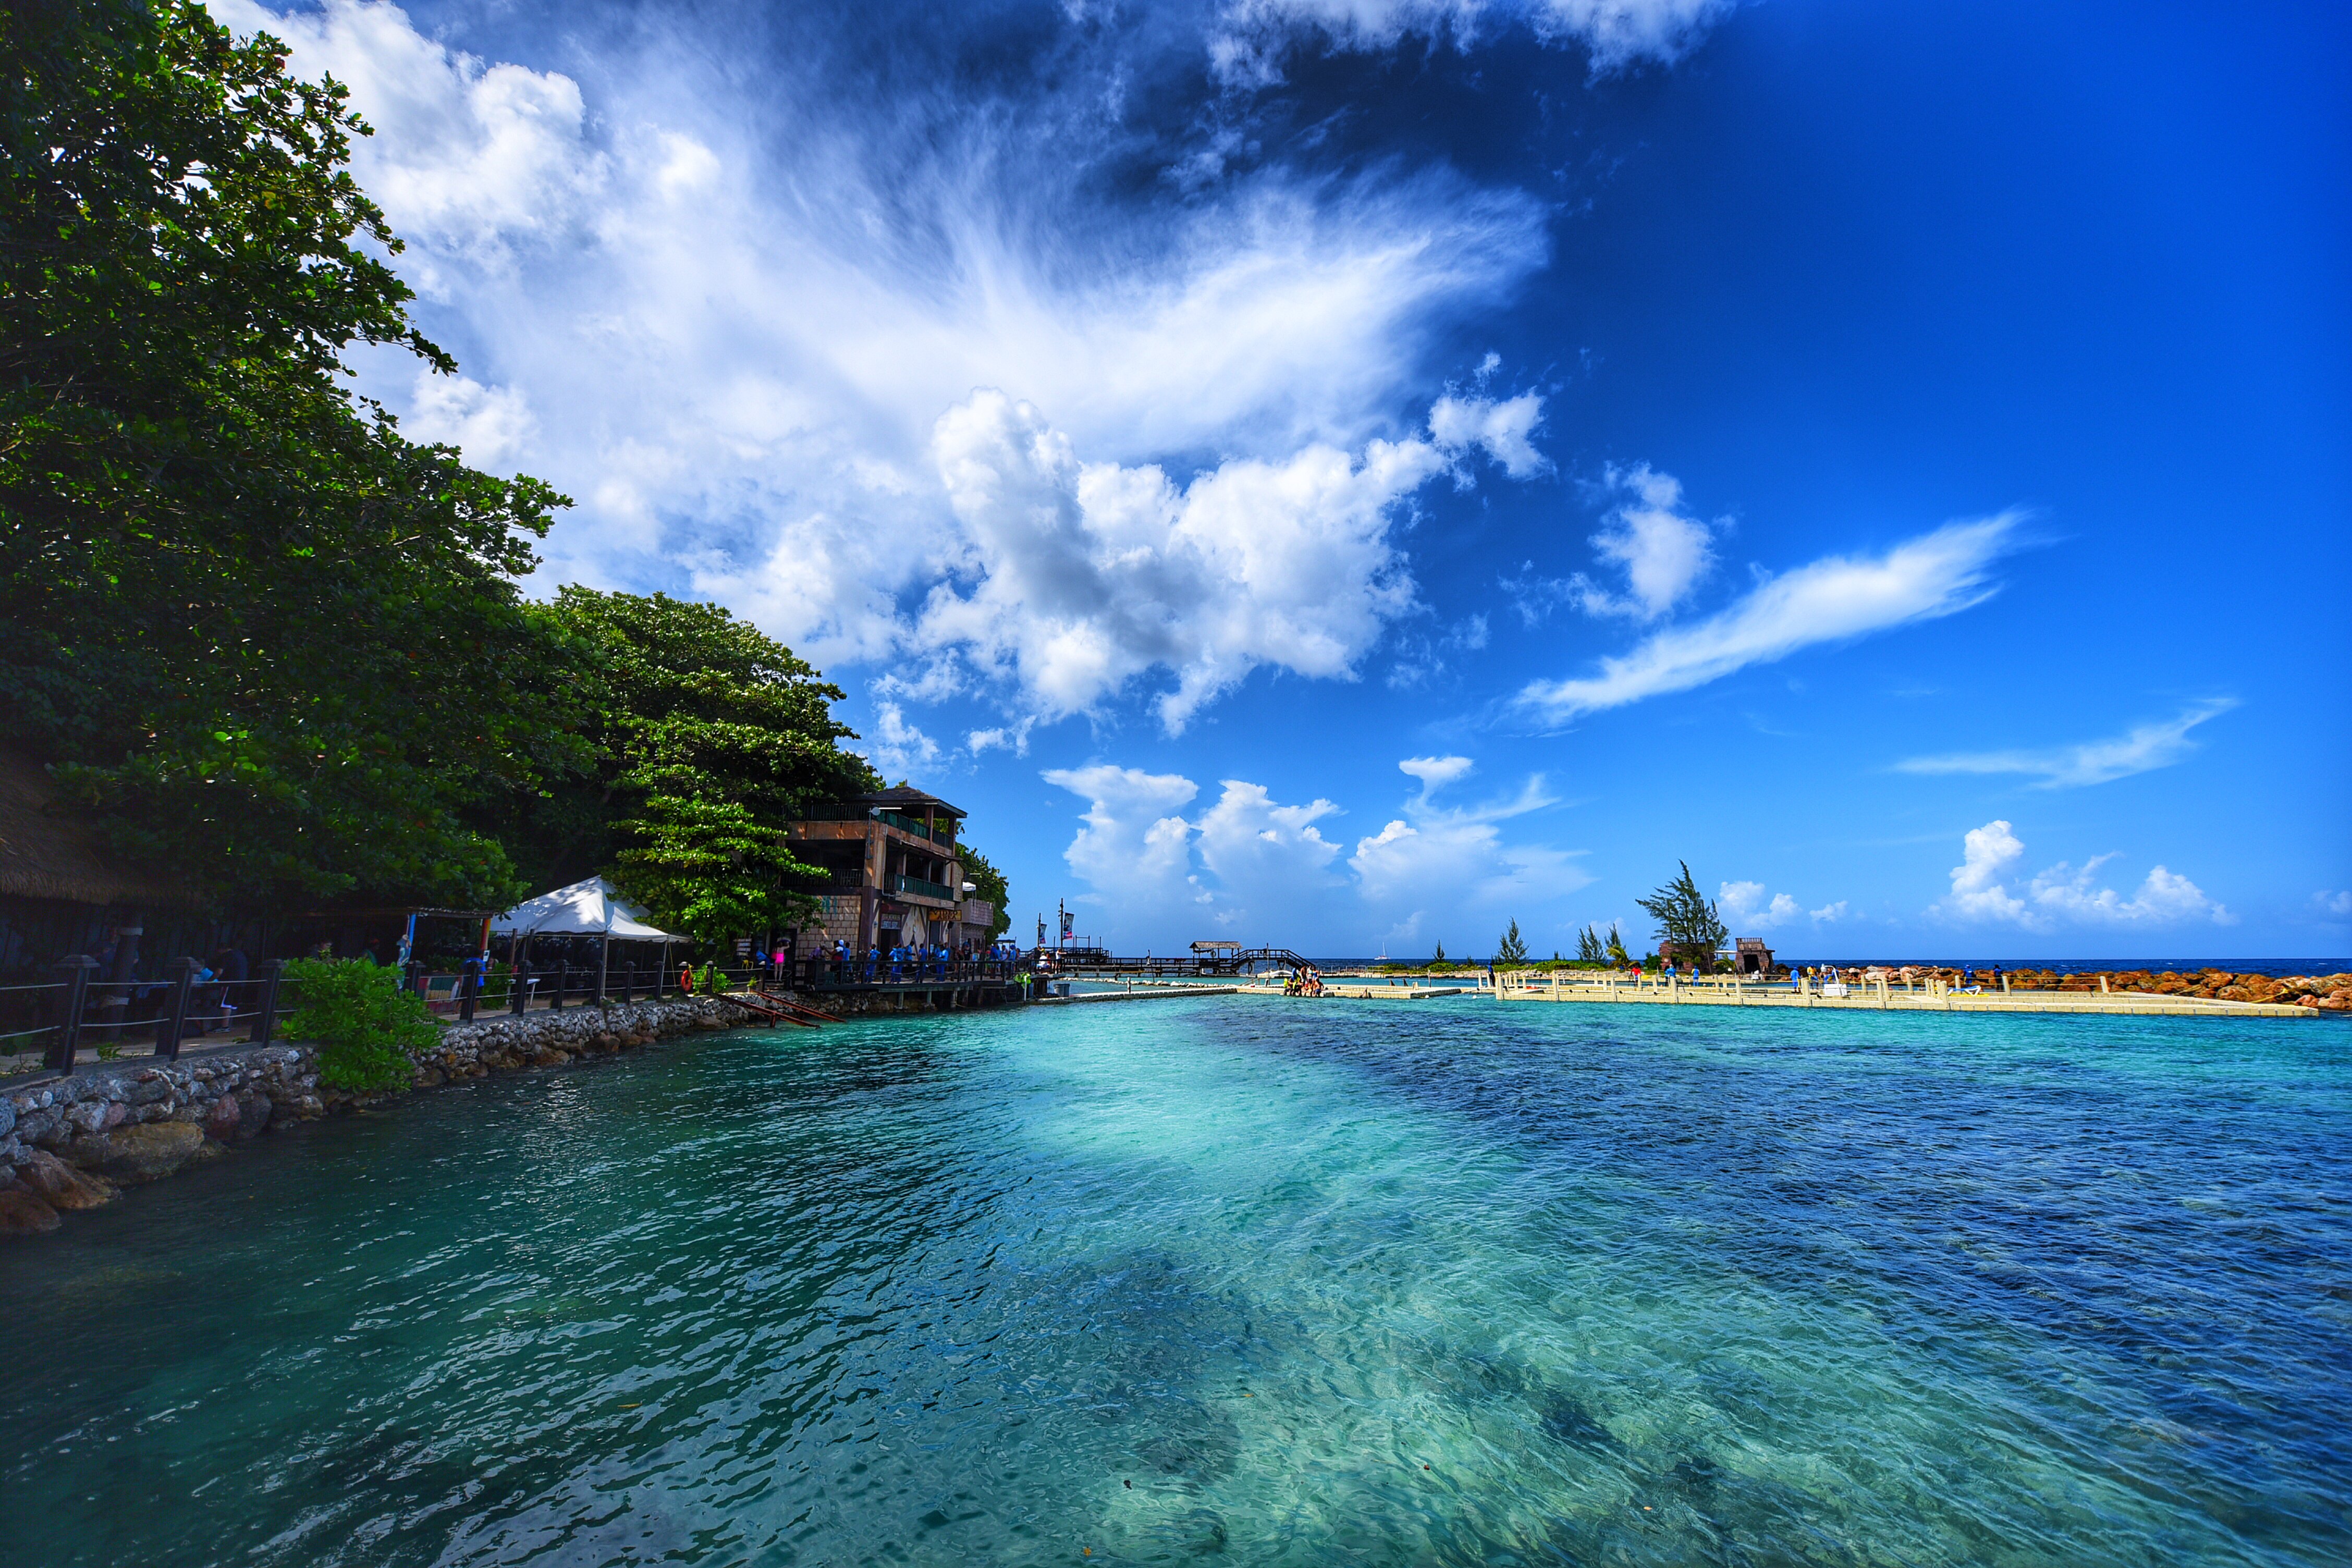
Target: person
(873, 959)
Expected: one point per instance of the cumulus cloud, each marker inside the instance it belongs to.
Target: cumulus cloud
(2339, 904)
(2145, 746)
(1247, 48)
(1831, 600)
(1828, 913)
(1662, 552)
(1746, 904)
(739, 363)
(1133, 845)
(1504, 429)
(489, 423)
(1252, 865)
(1991, 854)
(899, 747)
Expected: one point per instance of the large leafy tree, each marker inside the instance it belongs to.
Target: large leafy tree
(1687, 919)
(705, 737)
(989, 884)
(278, 643)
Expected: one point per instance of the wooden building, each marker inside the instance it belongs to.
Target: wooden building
(891, 875)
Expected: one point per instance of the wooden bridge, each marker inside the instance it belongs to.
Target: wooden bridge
(1094, 962)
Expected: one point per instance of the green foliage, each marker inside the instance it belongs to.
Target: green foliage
(368, 1029)
(1588, 945)
(1511, 949)
(271, 641)
(1438, 957)
(704, 737)
(1617, 954)
(990, 882)
(709, 870)
(1687, 920)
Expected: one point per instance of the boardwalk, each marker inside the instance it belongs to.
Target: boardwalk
(1877, 995)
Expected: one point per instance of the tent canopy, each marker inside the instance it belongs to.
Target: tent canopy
(593, 908)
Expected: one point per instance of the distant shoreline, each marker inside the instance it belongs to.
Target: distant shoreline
(2270, 966)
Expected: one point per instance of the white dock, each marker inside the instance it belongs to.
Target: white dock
(1874, 995)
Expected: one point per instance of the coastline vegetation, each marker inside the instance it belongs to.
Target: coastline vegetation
(368, 1026)
(269, 642)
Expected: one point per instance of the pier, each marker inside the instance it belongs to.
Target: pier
(1877, 995)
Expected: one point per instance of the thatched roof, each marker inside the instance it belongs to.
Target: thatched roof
(51, 850)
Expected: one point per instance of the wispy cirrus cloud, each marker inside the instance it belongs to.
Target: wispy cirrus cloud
(2144, 747)
(1250, 42)
(1832, 600)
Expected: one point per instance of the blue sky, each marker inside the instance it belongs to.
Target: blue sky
(1351, 473)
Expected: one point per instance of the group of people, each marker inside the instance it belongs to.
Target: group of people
(898, 961)
(1303, 982)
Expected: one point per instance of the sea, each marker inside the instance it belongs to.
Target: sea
(1238, 1278)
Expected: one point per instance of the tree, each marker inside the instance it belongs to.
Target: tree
(680, 703)
(1511, 949)
(1439, 956)
(1588, 945)
(990, 884)
(1617, 954)
(1687, 920)
(269, 639)
(712, 870)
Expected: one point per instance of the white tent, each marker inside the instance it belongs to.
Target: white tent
(593, 908)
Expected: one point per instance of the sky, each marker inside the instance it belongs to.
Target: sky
(1352, 474)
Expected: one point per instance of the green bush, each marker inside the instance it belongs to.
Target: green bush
(366, 1027)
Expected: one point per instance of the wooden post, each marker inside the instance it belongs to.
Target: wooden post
(176, 1012)
(265, 1014)
(73, 975)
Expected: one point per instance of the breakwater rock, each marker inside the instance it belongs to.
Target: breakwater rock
(72, 1142)
(2327, 993)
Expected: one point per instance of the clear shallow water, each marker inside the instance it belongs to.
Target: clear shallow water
(1449, 1281)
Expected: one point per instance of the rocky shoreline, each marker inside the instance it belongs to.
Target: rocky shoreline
(73, 1142)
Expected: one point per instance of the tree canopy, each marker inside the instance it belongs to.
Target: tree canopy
(1687, 920)
(272, 639)
(990, 884)
(281, 650)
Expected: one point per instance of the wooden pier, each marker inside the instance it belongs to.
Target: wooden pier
(1874, 995)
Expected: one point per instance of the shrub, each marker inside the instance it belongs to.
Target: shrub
(366, 1027)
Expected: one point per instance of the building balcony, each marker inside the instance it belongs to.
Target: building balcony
(916, 887)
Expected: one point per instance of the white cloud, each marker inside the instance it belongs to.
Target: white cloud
(1662, 552)
(1831, 600)
(1133, 845)
(739, 363)
(1745, 905)
(2064, 894)
(1829, 912)
(1013, 738)
(1253, 866)
(1247, 49)
(897, 746)
(490, 425)
(2337, 904)
(2145, 746)
(1088, 576)
(1504, 429)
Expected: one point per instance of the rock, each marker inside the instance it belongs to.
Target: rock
(8, 1117)
(608, 1042)
(24, 1213)
(139, 1152)
(147, 1089)
(430, 1078)
(224, 1120)
(60, 1185)
(548, 1056)
(39, 1127)
(253, 1112)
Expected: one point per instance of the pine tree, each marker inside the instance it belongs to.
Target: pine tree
(1439, 956)
(1617, 954)
(1687, 922)
(1588, 945)
(1511, 949)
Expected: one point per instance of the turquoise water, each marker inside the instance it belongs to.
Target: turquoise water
(1452, 1281)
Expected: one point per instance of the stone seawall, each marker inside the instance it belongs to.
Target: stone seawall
(71, 1142)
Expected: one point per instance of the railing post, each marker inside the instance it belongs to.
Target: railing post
(73, 974)
(562, 974)
(175, 1013)
(469, 985)
(265, 1021)
(521, 996)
